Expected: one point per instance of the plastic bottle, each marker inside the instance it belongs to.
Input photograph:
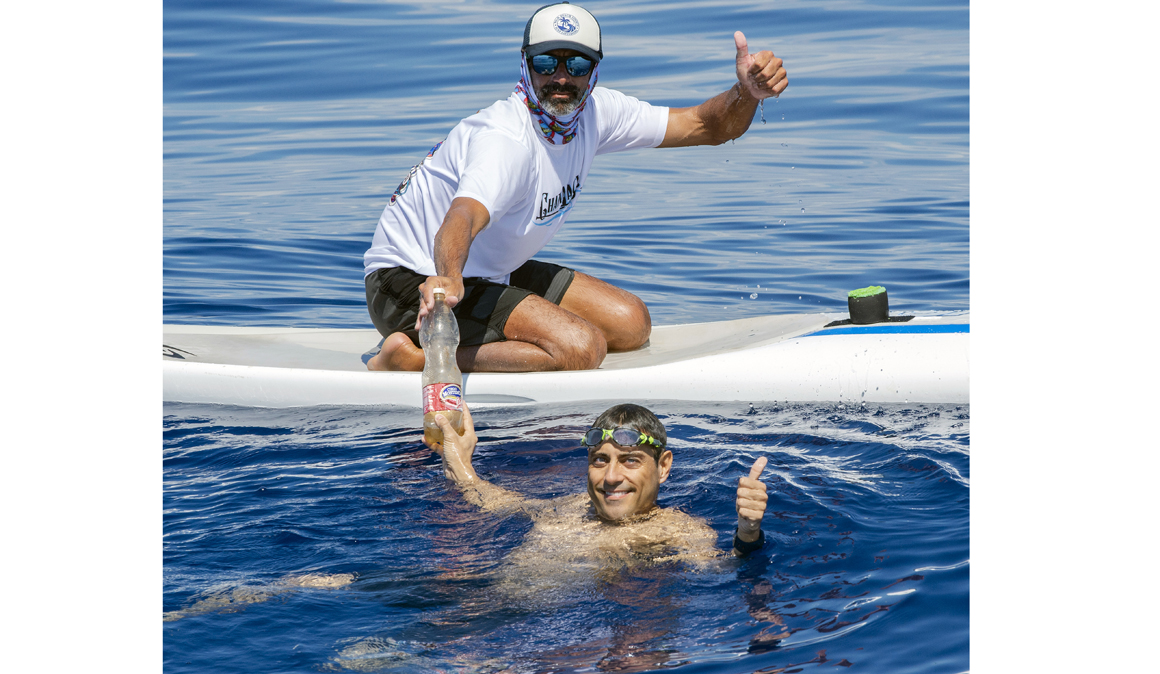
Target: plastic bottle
(442, 380)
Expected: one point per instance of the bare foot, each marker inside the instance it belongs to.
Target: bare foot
(319, 580)
(399, 353)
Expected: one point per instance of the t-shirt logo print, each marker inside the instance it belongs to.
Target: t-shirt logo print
(552, 207)
(566, 24)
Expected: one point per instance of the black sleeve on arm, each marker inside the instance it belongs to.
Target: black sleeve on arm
(744, 548)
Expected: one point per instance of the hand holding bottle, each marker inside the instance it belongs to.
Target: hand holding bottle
(442, 380)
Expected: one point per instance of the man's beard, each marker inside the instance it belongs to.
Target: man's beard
(559, 108)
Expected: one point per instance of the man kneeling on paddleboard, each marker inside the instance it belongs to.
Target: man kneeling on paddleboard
(627, 462)
(471, 215)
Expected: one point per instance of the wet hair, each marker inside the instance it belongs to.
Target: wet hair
(635, 416)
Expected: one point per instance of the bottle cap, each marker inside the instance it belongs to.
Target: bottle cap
(440, 291)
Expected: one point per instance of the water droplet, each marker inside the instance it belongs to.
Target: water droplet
(726, 161)
(791, 168)
(799, 297)
(785, 144)
(799, 201)
(753, 296)
(803, 209)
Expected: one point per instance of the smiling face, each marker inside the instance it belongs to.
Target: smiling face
(623, 481)
(559, 93)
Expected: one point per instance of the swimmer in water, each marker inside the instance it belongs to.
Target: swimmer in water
(229, 599)
(627, 461)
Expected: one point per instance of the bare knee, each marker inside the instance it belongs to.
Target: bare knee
(630, 324)
(588, 349)
(621, 316)
(569, 341)
(581, 347)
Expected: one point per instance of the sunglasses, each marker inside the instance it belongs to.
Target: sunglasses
(577, 66)
(621, 437)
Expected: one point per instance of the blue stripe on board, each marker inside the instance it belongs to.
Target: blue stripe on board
(892, 329)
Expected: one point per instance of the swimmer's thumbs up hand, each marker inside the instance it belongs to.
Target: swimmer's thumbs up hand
(751, 500)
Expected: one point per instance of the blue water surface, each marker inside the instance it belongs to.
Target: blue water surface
(867, 562)
(288, 125)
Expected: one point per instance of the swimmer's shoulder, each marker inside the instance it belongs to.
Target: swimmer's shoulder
(677, 517)
(569, 506)
(680, 529)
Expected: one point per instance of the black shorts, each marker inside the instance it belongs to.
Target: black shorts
(393, 300)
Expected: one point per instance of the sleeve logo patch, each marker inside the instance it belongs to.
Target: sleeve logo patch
(402, 188)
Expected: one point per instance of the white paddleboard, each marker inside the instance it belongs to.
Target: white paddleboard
(793, 358)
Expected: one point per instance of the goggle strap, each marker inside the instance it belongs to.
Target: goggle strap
(607, 433)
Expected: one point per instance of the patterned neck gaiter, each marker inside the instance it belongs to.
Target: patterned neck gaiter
(556, 130)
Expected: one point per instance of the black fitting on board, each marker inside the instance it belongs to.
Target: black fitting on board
(868, 305)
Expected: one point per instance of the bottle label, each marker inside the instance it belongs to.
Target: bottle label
(438, 397)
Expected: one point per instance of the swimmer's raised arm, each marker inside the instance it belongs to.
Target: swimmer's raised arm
(751, 500)
(456, 453)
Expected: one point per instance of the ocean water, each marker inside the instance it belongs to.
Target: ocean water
(289, 124)
(327, 540)
(867, 560)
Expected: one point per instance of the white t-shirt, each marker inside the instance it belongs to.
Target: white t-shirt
(528, 185)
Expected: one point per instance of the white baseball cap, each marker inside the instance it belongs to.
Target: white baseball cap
(563, 26)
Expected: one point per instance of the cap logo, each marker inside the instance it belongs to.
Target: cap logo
(566, 24)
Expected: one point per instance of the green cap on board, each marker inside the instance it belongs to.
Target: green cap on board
(869, 291)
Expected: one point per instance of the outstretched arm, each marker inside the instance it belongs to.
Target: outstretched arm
(751, 499)
(456, 452)
(464, 220)
(726, 116)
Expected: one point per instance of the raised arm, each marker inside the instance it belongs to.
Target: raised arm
(456, 452)
(751, 499)
(727, 115)
(464, 221)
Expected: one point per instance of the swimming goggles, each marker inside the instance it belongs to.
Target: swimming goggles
(577, 66)
(621, 437)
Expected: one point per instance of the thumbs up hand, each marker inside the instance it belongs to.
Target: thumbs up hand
(751, 499)
(761, 74)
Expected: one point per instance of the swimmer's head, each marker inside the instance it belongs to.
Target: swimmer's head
(635, 416)
(623, 481)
